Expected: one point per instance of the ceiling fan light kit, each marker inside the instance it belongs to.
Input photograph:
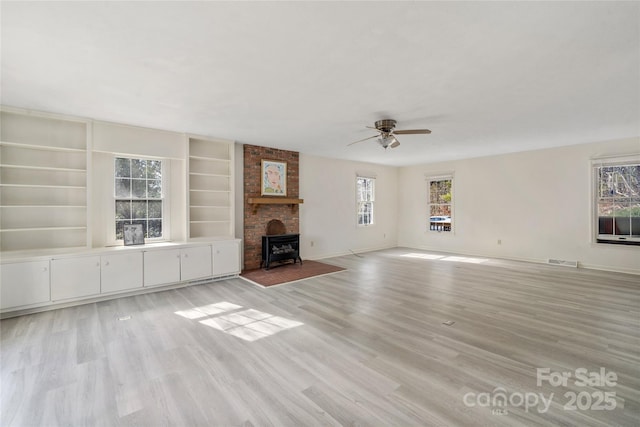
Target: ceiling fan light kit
(387, 134)
(388, 141)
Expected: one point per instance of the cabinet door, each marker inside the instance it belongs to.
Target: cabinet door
(161, 267)
(75, 277)
(196, 263)
(121, 272)
(226, 257)
(24, 283)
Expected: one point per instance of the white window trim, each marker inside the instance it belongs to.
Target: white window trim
(439, 177)
(166, 222)
(593, 220)
(373, 200)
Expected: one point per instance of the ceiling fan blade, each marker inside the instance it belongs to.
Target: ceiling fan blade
(411, 131)
(371, 137)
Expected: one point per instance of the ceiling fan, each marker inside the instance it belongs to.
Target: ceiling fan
(387, 136)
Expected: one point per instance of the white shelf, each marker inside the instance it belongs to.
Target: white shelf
(209, 159)
(211, 198)
(15, 155)
(42, 186)
(202, 230)
(43, 182)
(41, 147)
(211, 167)
(43, 206)
(210, 149)
(40, 196)
(210, 188)
(43, 168)
(37, 130)
(209, 222)
(208, 174)
(14, 230)
(36, 239)
(209, 191)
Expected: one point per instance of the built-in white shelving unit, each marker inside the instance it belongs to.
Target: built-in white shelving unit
(48, 252)
(210, 188)
(43, 182)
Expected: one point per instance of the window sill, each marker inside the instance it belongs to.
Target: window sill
(634, 242)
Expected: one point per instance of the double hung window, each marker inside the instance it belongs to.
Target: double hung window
(139, 196)
(365, 197)
(617, 200)
(440, 203)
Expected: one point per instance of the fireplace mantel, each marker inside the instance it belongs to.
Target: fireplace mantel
(257, 201)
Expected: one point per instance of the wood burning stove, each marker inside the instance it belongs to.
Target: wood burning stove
(280, 247)
(277, 245)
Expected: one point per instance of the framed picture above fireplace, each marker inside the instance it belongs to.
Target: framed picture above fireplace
(274, 178)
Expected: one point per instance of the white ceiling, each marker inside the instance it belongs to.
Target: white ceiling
(485, 77)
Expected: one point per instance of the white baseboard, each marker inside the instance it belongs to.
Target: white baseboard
(608, 268)
(532, 260)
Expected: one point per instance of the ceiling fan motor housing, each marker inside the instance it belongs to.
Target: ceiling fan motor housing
(385, 125)
(387, 137)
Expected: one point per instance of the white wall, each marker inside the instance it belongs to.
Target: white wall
(538, 203)
(110, 139)
(138, 141)
(328, 214)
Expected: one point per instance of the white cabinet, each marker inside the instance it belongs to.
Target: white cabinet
(196, 263)
(30, 283)
(226, 257)
(75, 277)
(166, 266)
(161, 267)
(24, 283)
(121, 272)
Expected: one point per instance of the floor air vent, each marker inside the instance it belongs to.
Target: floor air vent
(563, 262)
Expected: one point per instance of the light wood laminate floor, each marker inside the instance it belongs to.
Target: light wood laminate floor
(366, 346)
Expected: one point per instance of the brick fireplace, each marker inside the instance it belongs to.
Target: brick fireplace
(256, 219)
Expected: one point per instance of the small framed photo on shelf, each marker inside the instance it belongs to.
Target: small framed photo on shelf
(133, 234)
(274, 178)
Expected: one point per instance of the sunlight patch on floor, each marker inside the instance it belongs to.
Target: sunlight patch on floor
(471, 260)
(249, 325)
(465, 259)
(423, 256)
(208, 310)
